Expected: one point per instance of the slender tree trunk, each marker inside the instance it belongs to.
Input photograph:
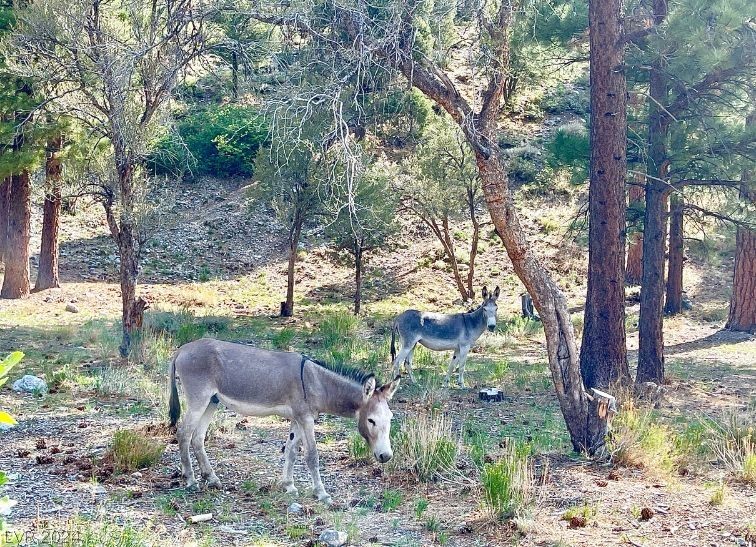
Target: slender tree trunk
(474, 243)
(673, 301)
(16, 280)
(742, 316)
(287, 307)
(234, 76)
(5, 185)
(634, 265)
(47, 276)
(444, 237)
(357, 277)
(650, 323)
(603, 352)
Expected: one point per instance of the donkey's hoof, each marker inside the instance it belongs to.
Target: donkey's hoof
(213, 482)
(291, 489)
(192, 486)
(324, 498)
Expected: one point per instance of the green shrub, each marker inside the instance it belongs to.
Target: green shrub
(732, 440)
(219, 140)
(338, 328)
(562, 99)
(508, 484)
(569, 149)
(133, 450)
(392, 499)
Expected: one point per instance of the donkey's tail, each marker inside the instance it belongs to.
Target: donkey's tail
(174, 404)
(393, 342)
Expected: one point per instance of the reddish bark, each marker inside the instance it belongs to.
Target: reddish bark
(4, 203)
(673, 302)
(16, 280)
(47, 276)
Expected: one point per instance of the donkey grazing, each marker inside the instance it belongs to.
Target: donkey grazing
(257, 382)
(440, 331)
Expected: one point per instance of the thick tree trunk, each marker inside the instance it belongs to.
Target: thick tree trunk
(603, 353)
(650, 322)
(634, 264)
(5, 185)
(357, 277)
(287, 307)
(673, 301)
(742, 316)
(47, 276)
(16, 280)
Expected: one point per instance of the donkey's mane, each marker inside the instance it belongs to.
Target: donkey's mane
(345, 371)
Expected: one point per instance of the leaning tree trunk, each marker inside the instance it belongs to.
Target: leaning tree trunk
(357, 277)
(634, 264)
(473, 243)
(4, 204)
(47, 276)
(650, 321)
(287, 307)
(16, 280)
(547, 297)
(742, 316)
(603, 352)
(673, 300)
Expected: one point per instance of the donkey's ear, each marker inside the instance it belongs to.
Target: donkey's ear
(496, 292)
(389, 389)
(368, 387)
(485, 293)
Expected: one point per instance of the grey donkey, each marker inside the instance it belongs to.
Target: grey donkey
(439, 331)
(258, 382)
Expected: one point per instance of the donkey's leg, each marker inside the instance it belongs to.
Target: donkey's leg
(290, 455)
(184, 435)
(463, 351)
(307, 426)
(401, 357)
(452, 366)
(198, 445)
(408, 363)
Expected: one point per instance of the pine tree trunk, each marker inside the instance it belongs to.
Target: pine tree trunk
(357, 277)
(650, 322)
(603, 352)
(742, 316)
(449, 247)
(47, 276)
(16, 280)
(4, 205)
(634, 265)
(673, 301)
(287, 307)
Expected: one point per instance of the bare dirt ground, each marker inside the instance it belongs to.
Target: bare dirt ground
(217, 258)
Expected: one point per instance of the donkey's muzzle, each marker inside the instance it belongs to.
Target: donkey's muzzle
(491, 328)
(383, 457)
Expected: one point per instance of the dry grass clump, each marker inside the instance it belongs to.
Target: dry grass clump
(639, 441)
(133, 450)
(427, 447)
(732, 440)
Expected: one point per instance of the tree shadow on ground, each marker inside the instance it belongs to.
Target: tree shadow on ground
(718, 338)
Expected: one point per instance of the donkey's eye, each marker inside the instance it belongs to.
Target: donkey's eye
(371, 421)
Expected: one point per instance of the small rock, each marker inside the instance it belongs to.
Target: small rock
(30, 384)
(99, 490)
(578, 522)
(295, 508)
(72, 307)
(647, 513)
(136, 474)
(333, 538)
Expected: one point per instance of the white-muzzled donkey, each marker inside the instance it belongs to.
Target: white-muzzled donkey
(439, 331)
(258, 382)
